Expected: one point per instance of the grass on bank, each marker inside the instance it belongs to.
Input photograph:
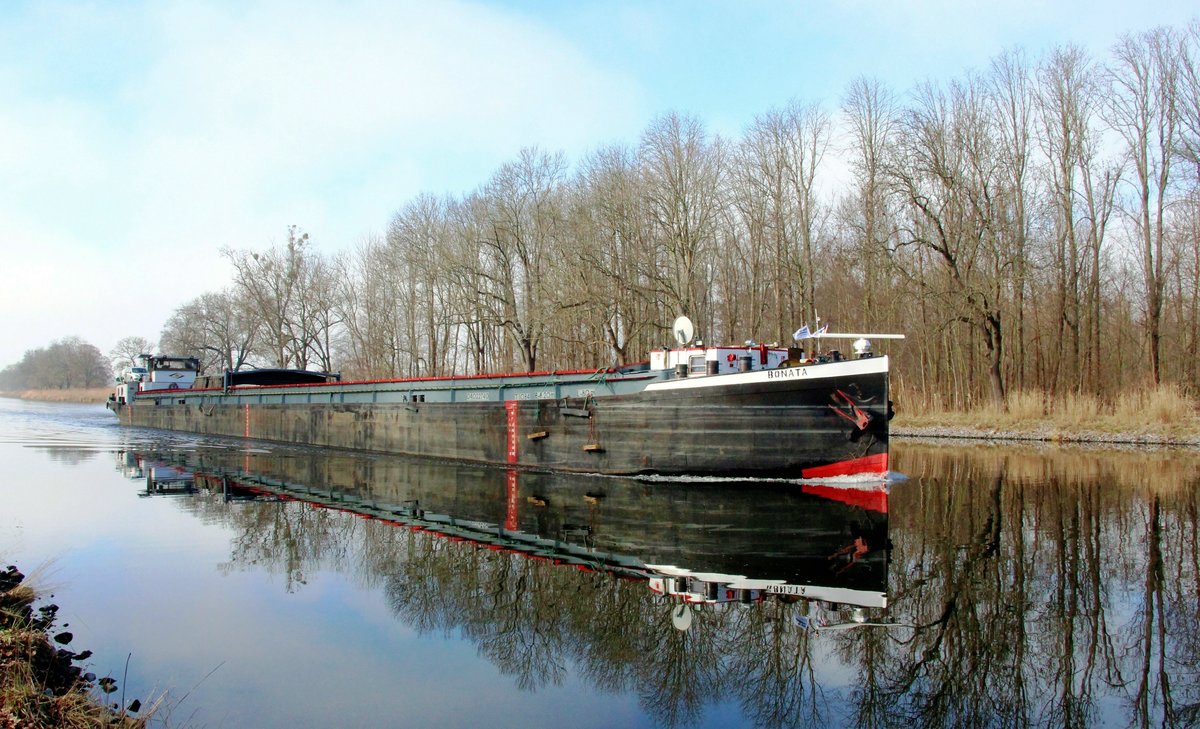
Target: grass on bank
(39, 684)
(1164, 411)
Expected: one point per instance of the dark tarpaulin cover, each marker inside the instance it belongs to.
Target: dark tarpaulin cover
(276, 377)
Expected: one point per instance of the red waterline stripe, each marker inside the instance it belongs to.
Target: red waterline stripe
(869, 499)
(876, 464)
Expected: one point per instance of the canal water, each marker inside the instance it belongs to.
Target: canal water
(274, 586)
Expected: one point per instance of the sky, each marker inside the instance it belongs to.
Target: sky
(139, 139)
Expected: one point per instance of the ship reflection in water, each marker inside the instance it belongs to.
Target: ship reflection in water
(694, 545)
(995, 587)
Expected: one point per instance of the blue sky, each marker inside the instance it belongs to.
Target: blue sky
(138, 139)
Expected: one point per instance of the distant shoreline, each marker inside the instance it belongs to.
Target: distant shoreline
(70, 394)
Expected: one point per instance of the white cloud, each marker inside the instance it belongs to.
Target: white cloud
(218, 125)
(138, 139)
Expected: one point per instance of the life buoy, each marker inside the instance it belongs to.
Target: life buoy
(732, 357)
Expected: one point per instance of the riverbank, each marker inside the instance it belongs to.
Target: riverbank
(1045, 434)
(70, 394)
(40, 685)
(1160, 417)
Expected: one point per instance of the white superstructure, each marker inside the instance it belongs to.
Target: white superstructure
(154, 372)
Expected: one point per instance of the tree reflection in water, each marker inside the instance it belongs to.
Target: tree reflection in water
(1023, 587)
(1036, 583)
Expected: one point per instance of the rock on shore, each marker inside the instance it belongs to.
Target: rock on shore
(40, 683)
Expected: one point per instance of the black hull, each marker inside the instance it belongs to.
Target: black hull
(766, 425)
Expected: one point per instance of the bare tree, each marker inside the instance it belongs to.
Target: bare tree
(125, 352)
(871, 112)
(470, 283)
(1012, 94)
(752, 285)
(1064, 99)
(946, 175)
(772, 193)
(1188, 102)
(418, 247)
(369, 310)
(317, 315)
(215, 328)
(69, 362)
(1187, 223)
(521, 232)
(682, 172)
(1142, 108)
(290, 291)
(617, 268)
(807, 142)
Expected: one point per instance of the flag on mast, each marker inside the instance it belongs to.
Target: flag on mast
(801, 333)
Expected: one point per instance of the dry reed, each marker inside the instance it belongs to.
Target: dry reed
(70, 394)
(1162, 411)
(39, 685)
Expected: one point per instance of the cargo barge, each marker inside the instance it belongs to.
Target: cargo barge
(752, 410)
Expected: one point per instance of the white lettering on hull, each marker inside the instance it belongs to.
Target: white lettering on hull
(850, 367)
(787, 373)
